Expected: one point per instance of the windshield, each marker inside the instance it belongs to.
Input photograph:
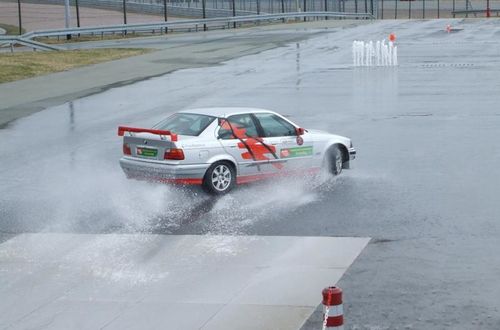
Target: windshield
(186, 123)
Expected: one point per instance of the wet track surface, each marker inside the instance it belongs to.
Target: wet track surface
(424, 186)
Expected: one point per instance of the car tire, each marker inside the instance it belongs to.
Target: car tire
(220, 178)
(334, 160)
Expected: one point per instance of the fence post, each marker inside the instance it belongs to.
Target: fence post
(283, 9)
(77, 13)
(234, 13)
(356, 6)
(204, 9)
(125, 12)
(488, 14)
(67, 14)
(409, 9)
(395, 9)
(165, 13)
(438, 8)
(305, 9)
(19, 16)
(453, 6)
(382, 13)
(258, 7)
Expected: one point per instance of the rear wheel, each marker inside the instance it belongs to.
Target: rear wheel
(334, 160)
(219, 178)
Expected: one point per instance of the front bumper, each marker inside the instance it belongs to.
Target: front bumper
(352, 153)
(162, 172)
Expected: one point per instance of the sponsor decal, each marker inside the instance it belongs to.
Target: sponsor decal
(300, 140)
(296, 152)
(285, 153)
(147, 152)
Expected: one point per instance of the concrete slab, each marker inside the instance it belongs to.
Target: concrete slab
(72, 315)
(259, 317)
(180, 316)
(62, 281)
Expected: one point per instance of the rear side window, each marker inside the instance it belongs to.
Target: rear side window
(186, 123)
(274, 125)
(238, 126)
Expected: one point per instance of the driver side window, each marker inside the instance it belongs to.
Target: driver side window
(275, 126)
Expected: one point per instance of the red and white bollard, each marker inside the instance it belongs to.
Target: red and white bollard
(333, 308)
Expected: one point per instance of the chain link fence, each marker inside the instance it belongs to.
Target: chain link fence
(422, 9)
(47, 14)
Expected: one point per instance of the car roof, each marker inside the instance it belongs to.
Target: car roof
(224, 112)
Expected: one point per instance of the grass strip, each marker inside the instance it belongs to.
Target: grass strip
(21, 65)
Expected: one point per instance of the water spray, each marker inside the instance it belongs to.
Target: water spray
(380, 53)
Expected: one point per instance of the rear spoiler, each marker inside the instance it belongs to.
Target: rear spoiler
(123, 129)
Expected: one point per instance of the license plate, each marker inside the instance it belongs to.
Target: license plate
(147, 152)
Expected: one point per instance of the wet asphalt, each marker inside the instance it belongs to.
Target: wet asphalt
(425, 185)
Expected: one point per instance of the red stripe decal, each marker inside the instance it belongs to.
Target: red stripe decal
(184, 181)
(335, 321)
(332, 296)
(239, 180)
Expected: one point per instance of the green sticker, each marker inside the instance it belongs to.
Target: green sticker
(296, 152)
(146, 152)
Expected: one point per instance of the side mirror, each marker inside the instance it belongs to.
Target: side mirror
(300, 131)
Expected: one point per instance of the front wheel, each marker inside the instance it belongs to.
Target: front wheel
(334, 160)
(219, 178)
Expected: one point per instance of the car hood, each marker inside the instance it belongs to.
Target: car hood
(344, 139)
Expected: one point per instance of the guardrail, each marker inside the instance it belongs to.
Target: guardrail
(475, 12)
(26, 39)
(194, 23)
(11, 41)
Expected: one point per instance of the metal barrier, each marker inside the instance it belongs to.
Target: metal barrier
(11, 41)
(476, 11)
(193, 23)
(26, 39)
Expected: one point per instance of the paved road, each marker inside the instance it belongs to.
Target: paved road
(425, 184)
(175, 52)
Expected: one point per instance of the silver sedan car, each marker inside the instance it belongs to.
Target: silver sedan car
(218, 148)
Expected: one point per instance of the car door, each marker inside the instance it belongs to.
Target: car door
(239, 135)
(293, 150)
